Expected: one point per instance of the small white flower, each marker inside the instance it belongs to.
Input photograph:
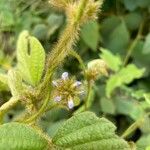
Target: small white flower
(55, 83)
(70, 104)
(64, 76)
(77, 84)
(57, 99)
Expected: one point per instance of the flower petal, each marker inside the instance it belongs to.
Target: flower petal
(70, 104)
(57, 99)
(64, 76)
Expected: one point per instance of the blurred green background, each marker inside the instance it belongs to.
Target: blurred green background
(123, 28)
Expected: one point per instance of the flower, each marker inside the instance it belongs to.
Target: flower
(67, 90)
(70, 104)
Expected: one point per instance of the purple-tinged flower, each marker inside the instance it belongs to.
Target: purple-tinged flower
(57, 99)
(64, 76)
(77, 84)
(70, 104)
(55, 83)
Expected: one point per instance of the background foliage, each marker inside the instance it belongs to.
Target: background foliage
(123, 30)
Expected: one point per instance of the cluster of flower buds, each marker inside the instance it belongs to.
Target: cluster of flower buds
(96, 69)
(67, 91)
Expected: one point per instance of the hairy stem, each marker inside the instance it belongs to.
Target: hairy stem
(65, 42)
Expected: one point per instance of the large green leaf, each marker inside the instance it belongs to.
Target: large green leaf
(17, 136)
(113, 62)
(90, 34)
(86, 131)
(31, 58)
(124, 76)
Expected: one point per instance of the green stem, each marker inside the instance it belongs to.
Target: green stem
(134, 126)
(7, 106)
(39, 113)
(89, 88)
(78, 57)
(132, 46)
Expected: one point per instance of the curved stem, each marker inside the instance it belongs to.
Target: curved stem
(78, 57)
(7, 106)
(134, 126)
(133, 44)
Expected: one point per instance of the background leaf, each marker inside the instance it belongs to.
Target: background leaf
(113, 62)
(124, 76)
(90, 34)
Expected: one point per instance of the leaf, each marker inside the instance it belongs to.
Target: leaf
(31, 58)
(143, 142)
(90, 34)
(124, 76)
(133, 20)
(113, 62)
(17, 136)
(15, 82)
(146, 48)
(54, 21)
(107, 106)
(85, 130)
(40, 31)
(118, 38)
(130, 4)
(147, 98)
(3, 78)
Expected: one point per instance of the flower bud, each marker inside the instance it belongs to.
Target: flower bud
(96, 68)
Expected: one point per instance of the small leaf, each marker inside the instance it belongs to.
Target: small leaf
(31, 58)
(90, 34)
(113, 62)
(17, 136)
(85, 130)
(124, 76)
(15, 82)
(146, 48)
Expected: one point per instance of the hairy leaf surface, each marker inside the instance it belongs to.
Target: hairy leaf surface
(85, 130)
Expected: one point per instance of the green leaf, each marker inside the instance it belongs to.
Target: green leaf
(31, 58)
(85, 130)
(54, 21)
(107, 105)
(130, 4)
(133, 20)
(113, 62)
(15, 82)
(3, 78)
(146, 48)
(3, 82)
(147, 98)
(90, 34)
(124, 76)
(40, 31)
(119, 38)
(17, 136)
(143, 142)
